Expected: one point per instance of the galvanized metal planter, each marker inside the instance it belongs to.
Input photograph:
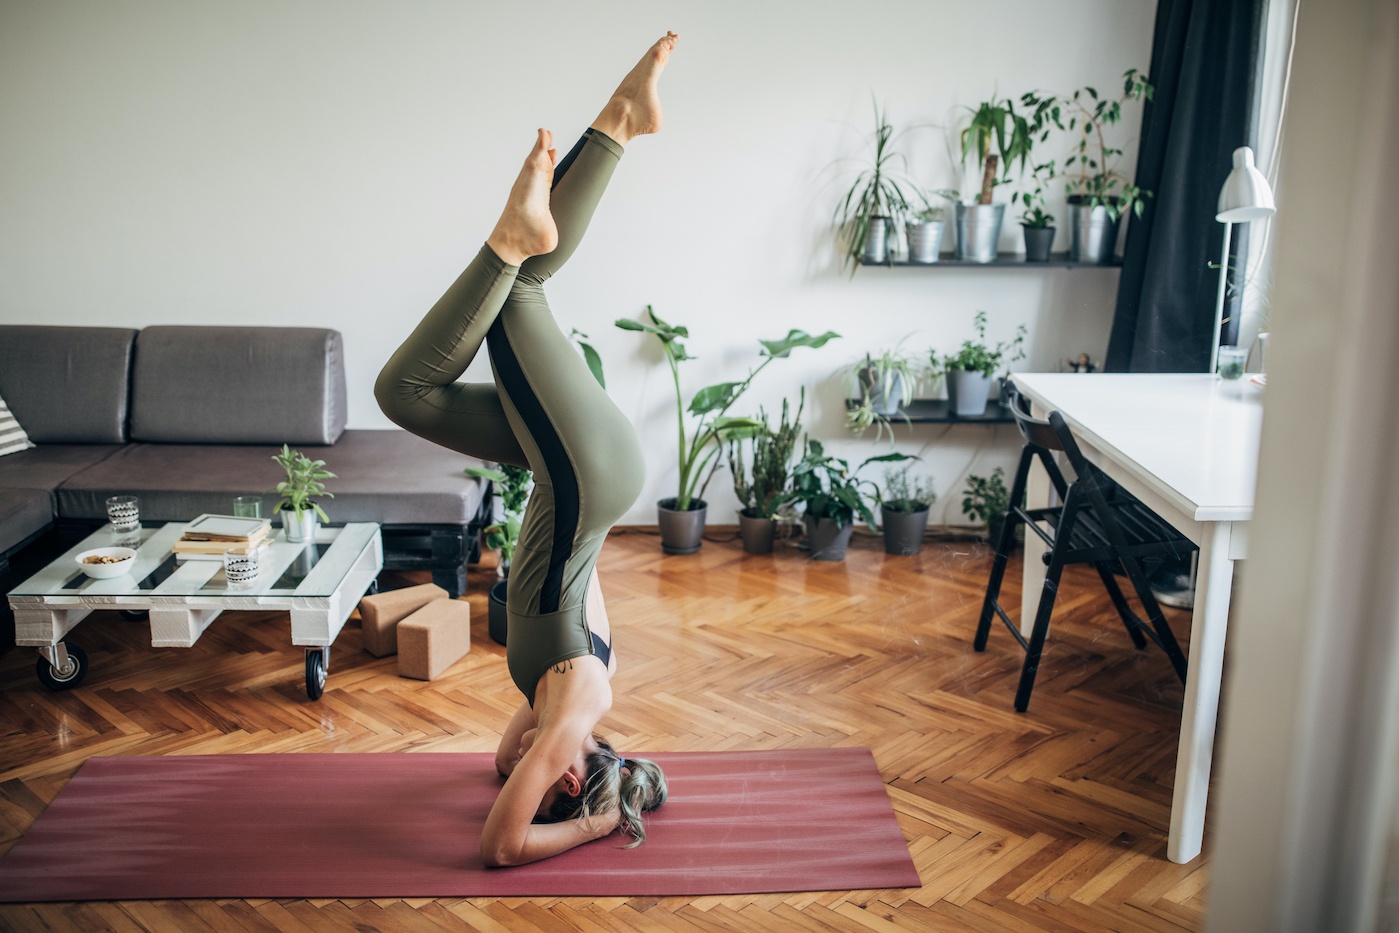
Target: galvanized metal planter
(924, 240)
(1094, 233)
(979, 231)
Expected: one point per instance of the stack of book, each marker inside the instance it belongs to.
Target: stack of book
(208, 536)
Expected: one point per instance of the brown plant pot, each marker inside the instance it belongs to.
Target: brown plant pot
(682, 532)
(903, 531)
(828, 539)
(757, 533)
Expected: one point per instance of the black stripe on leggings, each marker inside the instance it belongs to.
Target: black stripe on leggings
(567, 160)
(556, 463)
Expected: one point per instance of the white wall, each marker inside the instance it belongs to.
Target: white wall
(336, 164)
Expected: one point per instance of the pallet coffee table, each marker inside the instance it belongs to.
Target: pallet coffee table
(318, 583)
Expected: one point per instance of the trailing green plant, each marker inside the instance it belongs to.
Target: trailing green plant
(876, 195)
(995, 125)
(904, 492)
(872, 379)
(1084, 114)
(826, 487)
(713, 425)
(986, 498)
(303, 483)
(979, 356)
(1034, 213)
(512, 484)
(761, 491)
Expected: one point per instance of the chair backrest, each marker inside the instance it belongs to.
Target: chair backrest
(1052, 434)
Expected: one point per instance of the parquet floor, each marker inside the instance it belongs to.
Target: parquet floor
(1054, 820)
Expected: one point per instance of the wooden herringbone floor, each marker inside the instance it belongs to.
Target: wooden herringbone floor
(1054, 820)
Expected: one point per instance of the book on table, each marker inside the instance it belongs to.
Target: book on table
(213, 534)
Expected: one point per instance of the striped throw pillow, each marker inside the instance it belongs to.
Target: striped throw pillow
(12, 436)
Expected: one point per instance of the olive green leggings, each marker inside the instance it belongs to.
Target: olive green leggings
(544, 411)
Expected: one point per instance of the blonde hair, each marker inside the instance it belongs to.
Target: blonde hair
(632, 786)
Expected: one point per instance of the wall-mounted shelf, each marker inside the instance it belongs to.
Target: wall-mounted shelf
(939, 411)
(1002, 261)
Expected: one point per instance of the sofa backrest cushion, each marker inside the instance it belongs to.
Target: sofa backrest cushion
(238, 385)
(67, 385)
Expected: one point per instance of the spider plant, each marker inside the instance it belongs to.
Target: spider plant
(877, 195)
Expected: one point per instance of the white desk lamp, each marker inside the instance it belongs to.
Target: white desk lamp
(1245, 197)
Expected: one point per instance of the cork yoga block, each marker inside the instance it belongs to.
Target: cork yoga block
(433, 639)
(380, 614)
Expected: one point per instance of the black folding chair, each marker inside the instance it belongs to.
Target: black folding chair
(1098, 523)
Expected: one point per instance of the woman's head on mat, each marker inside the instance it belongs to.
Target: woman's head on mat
(632, 786)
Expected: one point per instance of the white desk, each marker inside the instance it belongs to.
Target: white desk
(1186, 445)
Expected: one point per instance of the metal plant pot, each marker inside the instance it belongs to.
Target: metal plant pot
(497, 622)
(1038, 241)
(903, 531)
(828, 539)
(682, 532)
(979, 231)
(968, 391)
(924, 240)
(873, 386)
(876, 241)
(756, 533)
(1094, 233)
(302, 529)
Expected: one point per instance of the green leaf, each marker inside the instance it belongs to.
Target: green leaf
(495, 476)
(783, 348)
(714, 398)
(594, 361)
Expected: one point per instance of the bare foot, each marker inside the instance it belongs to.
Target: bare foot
(635, 107)
(526, 228)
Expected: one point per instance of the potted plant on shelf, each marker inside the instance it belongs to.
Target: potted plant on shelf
(994, 123)
(969, 371)
(681, 517)
(876, 201)
(879, 387)
(830, 496)
(301, 513)
(923, 229)
(986, 500)
(904, 502)
(512, 483)
(1036, 222)
(761, 492)
(1099, 195)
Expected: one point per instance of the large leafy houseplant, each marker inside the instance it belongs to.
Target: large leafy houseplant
(997, 136)
(761, 489)
(709, 408)
(876, 197)
(826, 487)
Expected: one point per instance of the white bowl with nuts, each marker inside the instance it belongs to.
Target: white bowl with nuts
(106, 562)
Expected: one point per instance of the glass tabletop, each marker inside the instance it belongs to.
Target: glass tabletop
(311, 569)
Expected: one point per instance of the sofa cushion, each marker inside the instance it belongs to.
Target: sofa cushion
(23, 512)
(12, 436)
(67, 385)
(48, 465)
(390, 477)
(238, 385)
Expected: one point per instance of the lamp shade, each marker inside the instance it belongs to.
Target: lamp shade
(1246, 195)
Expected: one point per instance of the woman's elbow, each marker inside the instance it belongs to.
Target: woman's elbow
(494, 856)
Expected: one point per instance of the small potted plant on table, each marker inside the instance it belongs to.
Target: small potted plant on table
(512, 483)
(970, 370)
(301, 514)
(829, 492)
(762, 490)
(904, 503)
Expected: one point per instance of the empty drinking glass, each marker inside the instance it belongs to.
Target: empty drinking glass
(247, 506)
(124, 512)
(1231, 362)
(240, 566)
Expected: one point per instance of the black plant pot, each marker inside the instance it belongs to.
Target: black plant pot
(682, 532)
(903, 531)
(1038, 241)
(497, 622)
(757, 533)
(827, 538)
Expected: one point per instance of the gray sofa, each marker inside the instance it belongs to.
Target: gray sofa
(186, 418)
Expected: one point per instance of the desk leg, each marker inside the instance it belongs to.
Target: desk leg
(1208, 623)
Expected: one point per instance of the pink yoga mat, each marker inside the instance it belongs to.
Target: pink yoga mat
(405, 825)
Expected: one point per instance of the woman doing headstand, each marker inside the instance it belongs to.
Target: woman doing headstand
(564, 784)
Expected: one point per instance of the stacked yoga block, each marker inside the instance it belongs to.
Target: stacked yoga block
(428, 631)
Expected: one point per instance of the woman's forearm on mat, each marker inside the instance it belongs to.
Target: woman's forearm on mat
(544, 840)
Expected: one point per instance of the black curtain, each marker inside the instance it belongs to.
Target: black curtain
(1204, 65)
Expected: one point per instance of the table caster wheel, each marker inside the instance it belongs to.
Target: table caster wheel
(315, 673)
(137, 615)
(66, 678)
